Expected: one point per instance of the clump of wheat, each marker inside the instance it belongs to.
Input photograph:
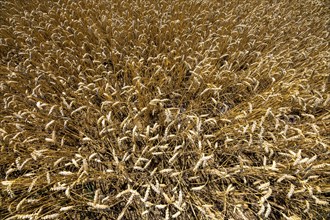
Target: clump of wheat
(181, 110)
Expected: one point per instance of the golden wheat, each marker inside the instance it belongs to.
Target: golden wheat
(164, 110)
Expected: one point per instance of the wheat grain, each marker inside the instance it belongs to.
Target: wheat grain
(155, 188)
(138, 168)
(66, 173)
(98, 206)
(171, 160)
(166, 171)
(264, 186)
(66, 208)
(51, 216)
(266, 196)
(86, 139)
(145, 212)
(291, 191)
(27, 216)
(161, 206)
(67, 193)
(157, 153)
(167, 213)
(268, 210)
(19, 205)
(48, 178)
(319, 166)
(230, 188)
(262, 209)
(180, 198)
(8, 172)
(197, 188)
(49, 124)
(319, 201)
(32, 184)
(123, 193)
(146, 195)
(58, 188)
(51, 140)
(92, 156)
(311, 160)
(200, 161)
(177, 214)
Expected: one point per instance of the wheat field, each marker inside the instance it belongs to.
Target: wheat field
(164, 109)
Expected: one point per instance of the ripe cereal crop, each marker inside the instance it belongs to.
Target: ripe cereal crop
(196, 109)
